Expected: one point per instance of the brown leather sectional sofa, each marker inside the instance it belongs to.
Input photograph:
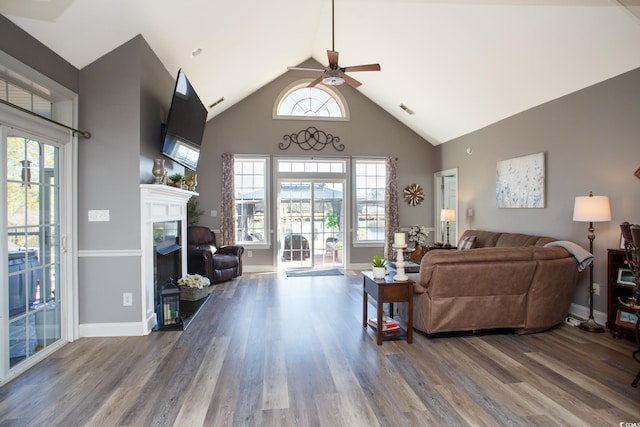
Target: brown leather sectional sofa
(508, 280)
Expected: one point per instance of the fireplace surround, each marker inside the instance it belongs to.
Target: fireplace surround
(161, 204)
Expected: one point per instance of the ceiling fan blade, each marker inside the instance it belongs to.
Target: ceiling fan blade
(321, 70)
(368, 67)
(333, 59)
(351, 81)
(316, 81)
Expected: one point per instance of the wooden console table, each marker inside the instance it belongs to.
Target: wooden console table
(387, 290)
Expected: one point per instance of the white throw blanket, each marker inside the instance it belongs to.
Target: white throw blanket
(582, 256)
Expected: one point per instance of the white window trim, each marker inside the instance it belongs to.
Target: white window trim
(354, 190)
(267, 201)
(298, 84)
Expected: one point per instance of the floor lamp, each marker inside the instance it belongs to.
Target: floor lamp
(591, 209)
(446, 216)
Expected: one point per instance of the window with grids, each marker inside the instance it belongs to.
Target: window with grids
(25, 99)
(319, 102)
(251, 201)
(370, 179)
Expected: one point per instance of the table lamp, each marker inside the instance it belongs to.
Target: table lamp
(591, 209)
(447, 215)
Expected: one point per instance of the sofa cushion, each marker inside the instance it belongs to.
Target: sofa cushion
(484, 239)
(509, 240)
(468, 242)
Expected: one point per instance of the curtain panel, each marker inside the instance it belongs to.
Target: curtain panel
(392, 218)
(227, 202)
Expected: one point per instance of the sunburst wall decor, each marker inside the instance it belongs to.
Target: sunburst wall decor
(413, 194)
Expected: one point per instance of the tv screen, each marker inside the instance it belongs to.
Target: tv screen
(186, 120)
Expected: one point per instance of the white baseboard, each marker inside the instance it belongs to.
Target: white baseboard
(272, 269)
(583, 313)
(130, 329)
(258, 268)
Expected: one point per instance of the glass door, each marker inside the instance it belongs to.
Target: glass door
(33, 243)
(311, 223)
(446, 192)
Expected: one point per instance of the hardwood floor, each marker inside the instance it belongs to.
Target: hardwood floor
(275, 351)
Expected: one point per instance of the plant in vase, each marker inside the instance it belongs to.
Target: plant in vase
(194, 281)
(418, 235)
(193, 287)
(379, 267)
(176, 180)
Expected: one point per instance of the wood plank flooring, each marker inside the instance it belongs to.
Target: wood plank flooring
(267, 350)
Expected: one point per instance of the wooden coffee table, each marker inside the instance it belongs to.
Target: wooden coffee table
(387, 290)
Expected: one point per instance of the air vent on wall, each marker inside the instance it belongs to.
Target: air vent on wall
(407, 109)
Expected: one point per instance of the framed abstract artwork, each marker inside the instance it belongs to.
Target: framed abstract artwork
(520, 182)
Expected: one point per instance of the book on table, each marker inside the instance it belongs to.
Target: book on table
(389, 324)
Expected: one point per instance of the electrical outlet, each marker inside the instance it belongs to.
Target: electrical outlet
(127, 299)
(249, 254)
(596, 289)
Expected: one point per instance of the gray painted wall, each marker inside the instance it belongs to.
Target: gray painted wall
(591, 141)
(124, 96)
(248, 128)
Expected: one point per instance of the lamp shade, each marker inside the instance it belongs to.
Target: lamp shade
(447, 215)
(592, 208)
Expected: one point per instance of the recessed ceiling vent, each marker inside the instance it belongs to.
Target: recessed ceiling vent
(217, 102)
(407, 109)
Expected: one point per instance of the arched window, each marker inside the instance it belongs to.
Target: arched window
(298, 101)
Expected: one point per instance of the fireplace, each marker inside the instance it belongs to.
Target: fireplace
(163, 237)
(167, 269)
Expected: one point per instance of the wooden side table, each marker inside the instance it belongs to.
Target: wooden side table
(387, 290)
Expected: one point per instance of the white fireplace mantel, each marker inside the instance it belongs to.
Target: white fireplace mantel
(159, 203)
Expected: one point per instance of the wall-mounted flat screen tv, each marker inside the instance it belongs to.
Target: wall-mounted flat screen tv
(182, 134)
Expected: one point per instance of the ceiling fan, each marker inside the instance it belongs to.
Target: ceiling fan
(334, 75)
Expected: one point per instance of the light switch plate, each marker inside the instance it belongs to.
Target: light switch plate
(98, 216)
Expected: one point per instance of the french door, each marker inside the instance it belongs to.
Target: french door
(31, 279)
(311, 223)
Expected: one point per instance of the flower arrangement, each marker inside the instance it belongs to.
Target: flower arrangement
(194, 281)
(418, 234)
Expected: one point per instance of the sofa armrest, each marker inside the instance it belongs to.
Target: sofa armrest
(199, 253)
(231, 250)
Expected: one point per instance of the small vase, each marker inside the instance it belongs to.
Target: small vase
(158, 171)
(379, 272)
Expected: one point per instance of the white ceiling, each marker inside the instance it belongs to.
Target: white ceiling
(460, 65)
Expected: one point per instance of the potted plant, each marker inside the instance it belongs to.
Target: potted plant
(379, 267)
(176, 180)
(193, 211)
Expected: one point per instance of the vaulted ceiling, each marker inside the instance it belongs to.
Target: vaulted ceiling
(459, 65)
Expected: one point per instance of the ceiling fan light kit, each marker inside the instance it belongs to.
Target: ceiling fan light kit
(332, 78)
(334, 75)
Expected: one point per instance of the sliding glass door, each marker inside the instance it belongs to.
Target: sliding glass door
(311, 212)
(32, 222)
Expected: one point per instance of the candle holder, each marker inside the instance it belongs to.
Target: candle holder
(400, 275)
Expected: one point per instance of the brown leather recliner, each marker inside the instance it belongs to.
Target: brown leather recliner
(204, 257)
